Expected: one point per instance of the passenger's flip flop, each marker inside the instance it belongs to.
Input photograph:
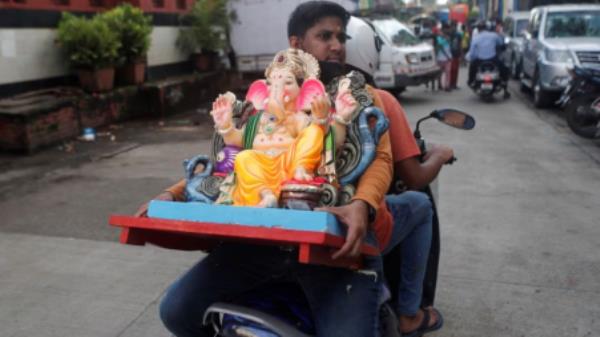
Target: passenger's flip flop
(424, 327)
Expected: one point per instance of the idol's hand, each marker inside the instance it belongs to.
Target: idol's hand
(345, 105)
(319, 106)
(222, 110)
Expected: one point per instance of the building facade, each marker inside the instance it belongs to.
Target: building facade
(30, 58)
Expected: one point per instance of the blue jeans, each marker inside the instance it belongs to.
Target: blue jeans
(343, 302)
(412, 213)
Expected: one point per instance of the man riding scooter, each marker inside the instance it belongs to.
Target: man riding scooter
(323, 36)
(343, 302)
(485, 47)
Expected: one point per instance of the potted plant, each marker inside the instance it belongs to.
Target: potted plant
(91, 48)
(202, 32)
(133, 29)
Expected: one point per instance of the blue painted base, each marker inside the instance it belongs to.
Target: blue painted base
(246, 216)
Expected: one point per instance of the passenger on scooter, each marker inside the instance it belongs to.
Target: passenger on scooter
(485, 47)
(412, 211)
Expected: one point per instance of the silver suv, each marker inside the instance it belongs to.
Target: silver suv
(558, 36)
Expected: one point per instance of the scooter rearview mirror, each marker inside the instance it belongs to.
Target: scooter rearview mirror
(454, 118)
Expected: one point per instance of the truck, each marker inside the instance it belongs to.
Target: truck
(404, 59)
(260, 31)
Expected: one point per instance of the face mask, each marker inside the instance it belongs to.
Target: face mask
(330, 70)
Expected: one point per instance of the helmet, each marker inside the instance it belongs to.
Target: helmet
(363, 45)
(480, 25)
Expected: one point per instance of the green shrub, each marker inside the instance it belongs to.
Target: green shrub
(204, 28)
(133, 28)
(88, 43)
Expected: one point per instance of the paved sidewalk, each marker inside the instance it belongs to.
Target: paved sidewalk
(520, 235)
(60, 287)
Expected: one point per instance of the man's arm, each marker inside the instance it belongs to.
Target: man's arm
(417, 174)
(405, 150)
(174, 193)
(370, 192)
(469, 55)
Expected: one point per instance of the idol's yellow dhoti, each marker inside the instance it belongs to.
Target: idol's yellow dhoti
(256, 170)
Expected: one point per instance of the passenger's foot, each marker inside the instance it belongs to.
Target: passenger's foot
(426, 320)
(506, 94)
(268, 199)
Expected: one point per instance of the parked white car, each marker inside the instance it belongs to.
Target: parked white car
(404, 59)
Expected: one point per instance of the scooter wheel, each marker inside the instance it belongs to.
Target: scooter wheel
(581, 118)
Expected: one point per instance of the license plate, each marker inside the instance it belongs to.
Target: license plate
(486, 86)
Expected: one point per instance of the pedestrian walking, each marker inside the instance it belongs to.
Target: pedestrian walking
(434, 32)
(455, 37)
(444, 56)
(466, 42)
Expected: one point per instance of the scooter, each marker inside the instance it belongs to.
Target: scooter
(488, 81)
(281, 309)
(581, 102)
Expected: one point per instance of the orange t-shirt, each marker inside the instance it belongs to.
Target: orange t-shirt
(403, 146)
(401, 136)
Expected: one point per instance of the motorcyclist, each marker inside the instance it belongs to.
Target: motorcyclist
(486, 47)
(411, 211)
(343, 302)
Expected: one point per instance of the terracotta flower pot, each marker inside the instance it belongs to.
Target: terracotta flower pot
(97, 80)
(203, 61)
(132, 73)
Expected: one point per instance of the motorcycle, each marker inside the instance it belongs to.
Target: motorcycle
(281, 309)
(488, 81)
(581, 102)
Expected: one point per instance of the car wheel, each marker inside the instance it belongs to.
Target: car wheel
(541, 97)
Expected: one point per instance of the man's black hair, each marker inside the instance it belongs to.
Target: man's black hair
(309, 13)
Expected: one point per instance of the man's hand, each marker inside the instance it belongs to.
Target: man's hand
(355, 216)
(164, 196)
(444, 152)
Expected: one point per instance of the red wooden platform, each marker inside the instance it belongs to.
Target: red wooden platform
(313, 247)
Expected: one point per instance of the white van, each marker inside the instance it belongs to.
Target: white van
(259, 30)
(404, 59)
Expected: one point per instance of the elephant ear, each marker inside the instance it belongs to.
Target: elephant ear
(257, 94)
(310, 89)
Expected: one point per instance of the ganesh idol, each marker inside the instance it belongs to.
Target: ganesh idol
(284, 140)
